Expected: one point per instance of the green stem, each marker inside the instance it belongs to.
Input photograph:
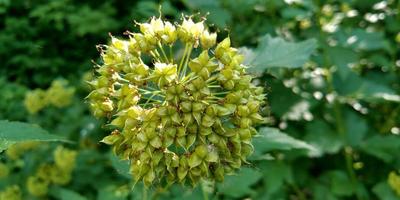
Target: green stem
(171, 55)
(189, 78)
(205, 194)
(218, 93)
(157, 58)
(162, 51)
(340, 125)
(186, 62)
(182, 59)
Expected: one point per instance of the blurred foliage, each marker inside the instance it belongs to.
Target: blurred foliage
(335, 110)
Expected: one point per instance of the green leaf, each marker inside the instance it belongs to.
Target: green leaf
(385, 148)
(363, 40)
(339, 183)
(384, 192)
(66, 194)
(239, 185)
(276, 52)
(275, 174)
(341, 58)
(121, 166)
(348, 83)
(13, 132)
(112, 192)
(273, 139)
(216, 13)
(320, 135)
(356, 128)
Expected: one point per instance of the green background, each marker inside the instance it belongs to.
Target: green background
(331, 70)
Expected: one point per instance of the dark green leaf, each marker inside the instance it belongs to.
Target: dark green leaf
(121, 166)
(275, 174)
(384, 192)
(320, 135)
(65, 194)
(239, 185)
(382, 147)
(270, 139)
(276, 52)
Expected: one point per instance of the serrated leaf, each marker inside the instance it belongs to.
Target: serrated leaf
(13, 132)
(270, 139)
(276, 52)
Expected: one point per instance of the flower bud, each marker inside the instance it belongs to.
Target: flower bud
(208, 40)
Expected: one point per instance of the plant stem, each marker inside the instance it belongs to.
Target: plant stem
(342, 131)
(162, 51)
(155, 56)
(182, 59)
(171, 55)
(186, 61)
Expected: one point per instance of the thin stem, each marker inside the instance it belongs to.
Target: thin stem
(186, 61)
(162, 51)
(341, 128)
(189, 78)
(218, 93)
(212, 79)
(159, 56)
(154, 56)
(171, 55)
(183, 58)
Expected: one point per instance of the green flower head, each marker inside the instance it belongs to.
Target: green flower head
(182, 106)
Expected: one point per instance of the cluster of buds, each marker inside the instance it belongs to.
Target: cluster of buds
(4, 170)
(58, 95)
(12, 192)
(58, 173)
(15, 151)
(176, 117)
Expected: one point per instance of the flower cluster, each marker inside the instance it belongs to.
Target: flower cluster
(58, 173)
(15, 151)
(58, 95)
(4, 170)
(12, 192)
(176, 116)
